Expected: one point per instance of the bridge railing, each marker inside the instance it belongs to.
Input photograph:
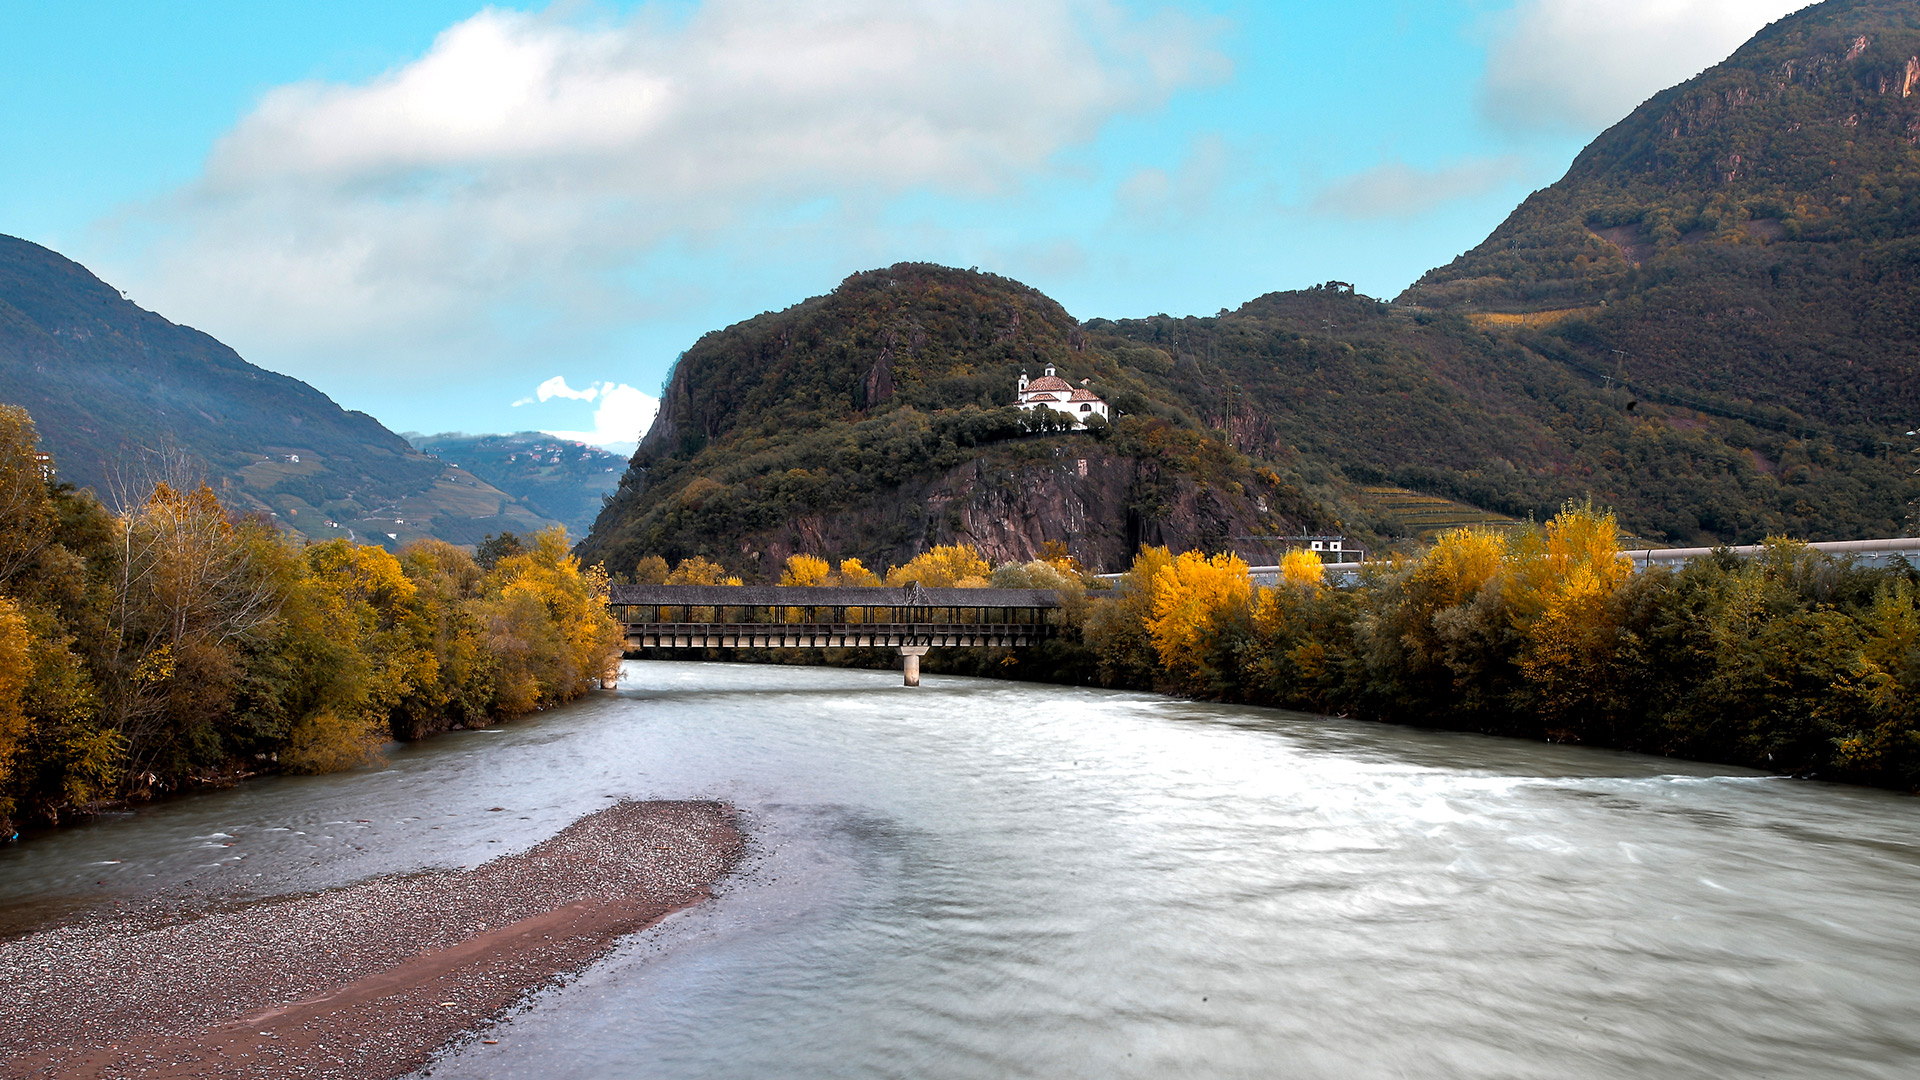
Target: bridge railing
(760, 635)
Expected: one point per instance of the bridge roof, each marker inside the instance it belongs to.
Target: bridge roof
(837, 596)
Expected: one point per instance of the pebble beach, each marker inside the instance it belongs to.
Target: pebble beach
(365, 981)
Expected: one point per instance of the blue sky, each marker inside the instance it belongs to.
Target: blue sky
(434, 211)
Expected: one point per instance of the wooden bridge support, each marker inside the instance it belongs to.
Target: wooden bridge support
(910, 662)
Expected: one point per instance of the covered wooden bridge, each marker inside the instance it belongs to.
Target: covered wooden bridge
(911, 619)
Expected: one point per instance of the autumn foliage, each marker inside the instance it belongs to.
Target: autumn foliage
(171, 643)
(1790, 661)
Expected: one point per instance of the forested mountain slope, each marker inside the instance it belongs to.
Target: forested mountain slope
(1747, 242)
(1512, 423)
(876, 421)
(110, 385)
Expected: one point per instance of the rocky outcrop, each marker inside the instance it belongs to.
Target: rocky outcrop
(1102, 506)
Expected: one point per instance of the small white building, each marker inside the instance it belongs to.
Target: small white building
(1050, 391)
(1333, 549)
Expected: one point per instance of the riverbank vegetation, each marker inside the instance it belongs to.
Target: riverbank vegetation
(170, 642)
(1791, 661)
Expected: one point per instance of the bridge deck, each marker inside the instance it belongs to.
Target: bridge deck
(796, 617)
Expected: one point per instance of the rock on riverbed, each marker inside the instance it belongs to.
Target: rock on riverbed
(362, 981)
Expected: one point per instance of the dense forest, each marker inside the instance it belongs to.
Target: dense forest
(172, 643)
(1510, 421)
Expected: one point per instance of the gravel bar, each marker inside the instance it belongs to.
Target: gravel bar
(363, 981)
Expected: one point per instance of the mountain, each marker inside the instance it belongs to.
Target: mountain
(1513, 423)
(112, 386)
(556, 478)
(876, 421)
(1711, 323)
(1746, 243)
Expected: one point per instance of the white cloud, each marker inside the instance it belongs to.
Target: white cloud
(1395, 189)
(526, 162)
(624, 415)
(557, 387)
(1585, 64)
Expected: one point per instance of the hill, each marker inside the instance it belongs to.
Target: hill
(1430, 400)
(110, 385)
(876, 421)
(556, 478)
(1746, 244)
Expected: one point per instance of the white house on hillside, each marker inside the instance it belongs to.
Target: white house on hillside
(1053, 392)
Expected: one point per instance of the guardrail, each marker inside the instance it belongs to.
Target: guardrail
(1867, 551)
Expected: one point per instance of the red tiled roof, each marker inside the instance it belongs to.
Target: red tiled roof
(1084, 395)
(1048, 382)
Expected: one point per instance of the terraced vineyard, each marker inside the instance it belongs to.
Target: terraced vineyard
(1423, 517)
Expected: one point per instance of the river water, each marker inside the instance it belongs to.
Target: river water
(984, 879)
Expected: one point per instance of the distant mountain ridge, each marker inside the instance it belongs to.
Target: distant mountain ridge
(565, 480)
(108, 383)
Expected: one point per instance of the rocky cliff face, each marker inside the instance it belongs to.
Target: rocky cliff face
(1102, 506)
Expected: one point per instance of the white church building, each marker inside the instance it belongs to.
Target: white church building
(1050, 391)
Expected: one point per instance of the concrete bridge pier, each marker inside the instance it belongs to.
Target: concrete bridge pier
(910, 662)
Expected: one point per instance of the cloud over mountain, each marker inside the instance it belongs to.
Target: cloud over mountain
(1583, 64)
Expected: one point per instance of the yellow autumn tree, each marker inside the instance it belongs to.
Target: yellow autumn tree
(553, 636)
(854, 573)
(805, 570)
(651, 570)
(1458, 565)
(1579, 548)
(700, 570)
(1116, 627)
(1192, 597)
(945, 566)
(15, 662)
(1563, 593)
(359, 607)
(1055, 552)
(1301, 568)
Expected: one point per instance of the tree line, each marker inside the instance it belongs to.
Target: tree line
(1791, 661)
(169, 642)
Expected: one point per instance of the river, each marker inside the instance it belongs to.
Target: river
(985, 879)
